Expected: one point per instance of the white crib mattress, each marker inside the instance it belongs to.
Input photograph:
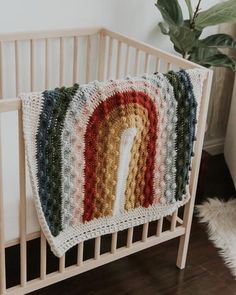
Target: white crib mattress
(11, 181)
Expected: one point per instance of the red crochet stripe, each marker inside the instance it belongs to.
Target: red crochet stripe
(97, 117)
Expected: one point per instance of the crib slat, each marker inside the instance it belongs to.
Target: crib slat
(46, 64)
(80, 253)
(97, 248)
(146, 66)
(145, 232)
(2, 227)
(43, 256)
(88, 63)
(130, 237)
(158, 64)
(126, 60)
(101, 60)
(17, 66)
(75, 60)
(174, 220)
(61, 61)
(159, 227)
(22, 183)
(110, 51)
(62, 262)
(1, 74)
(2, 230)
(32, 64)
(118, 60)
(179, 220)
(114, 242)
(169, 66)
(137, 57)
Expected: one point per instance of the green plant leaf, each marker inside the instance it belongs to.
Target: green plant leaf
(212, 57)
(222, 60)
(197, 31)
(170, 11)
(200, 54)
(164, 28)
(217, 14)
(218, 41)
(190, 8)
(183, 38)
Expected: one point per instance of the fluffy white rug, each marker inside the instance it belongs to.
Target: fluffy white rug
(220, 217)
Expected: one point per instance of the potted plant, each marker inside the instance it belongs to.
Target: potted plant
(185, 34)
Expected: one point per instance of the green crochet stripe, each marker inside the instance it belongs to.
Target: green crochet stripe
(49, 152)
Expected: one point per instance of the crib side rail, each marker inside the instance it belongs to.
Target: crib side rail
(107, 66)
(6, 37)
(127, 56)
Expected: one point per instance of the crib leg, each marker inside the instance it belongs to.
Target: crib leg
(184, 240)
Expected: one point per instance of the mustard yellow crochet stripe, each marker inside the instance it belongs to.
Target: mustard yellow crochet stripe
(109, 139)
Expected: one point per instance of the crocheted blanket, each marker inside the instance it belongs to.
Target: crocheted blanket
(109, 155)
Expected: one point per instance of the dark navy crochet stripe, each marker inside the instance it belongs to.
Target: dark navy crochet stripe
(192, 123)
(44, 182)
(185, 128)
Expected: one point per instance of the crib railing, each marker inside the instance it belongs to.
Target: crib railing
(106, 55)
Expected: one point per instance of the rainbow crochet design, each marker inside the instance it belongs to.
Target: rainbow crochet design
(104, 156)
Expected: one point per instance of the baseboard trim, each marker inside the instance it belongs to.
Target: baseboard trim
(214, 146)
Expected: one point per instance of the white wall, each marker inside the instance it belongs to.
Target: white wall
(136, 18)
(51, 14)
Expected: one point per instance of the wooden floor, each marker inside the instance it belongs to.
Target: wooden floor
(153, 271)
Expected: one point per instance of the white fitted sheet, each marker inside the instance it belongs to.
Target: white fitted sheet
(11, 181)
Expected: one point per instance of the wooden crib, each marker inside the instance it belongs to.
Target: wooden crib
(81, 55)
